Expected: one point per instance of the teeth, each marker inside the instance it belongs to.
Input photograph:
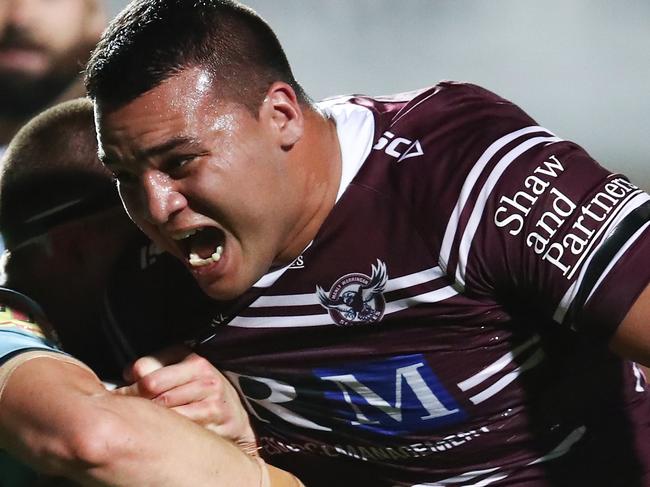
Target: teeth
(217, 253)
(184, 235)
(196, 261)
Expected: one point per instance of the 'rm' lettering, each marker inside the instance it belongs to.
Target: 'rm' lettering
(393, 396)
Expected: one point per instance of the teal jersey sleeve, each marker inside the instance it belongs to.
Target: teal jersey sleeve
(23, 326)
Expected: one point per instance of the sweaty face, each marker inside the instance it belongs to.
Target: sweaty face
(43, 45)
(205, 179)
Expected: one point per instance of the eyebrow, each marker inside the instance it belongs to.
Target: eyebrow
(155, 150)
(167, 146)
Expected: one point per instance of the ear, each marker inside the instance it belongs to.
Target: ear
(283, 111)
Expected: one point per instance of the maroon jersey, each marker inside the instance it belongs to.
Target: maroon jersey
(449, 323)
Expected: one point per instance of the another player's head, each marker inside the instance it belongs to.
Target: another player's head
(60, 215)
(43, 46)
(210, 137)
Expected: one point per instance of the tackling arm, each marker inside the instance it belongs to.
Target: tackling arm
(56, 415)
(632, 338)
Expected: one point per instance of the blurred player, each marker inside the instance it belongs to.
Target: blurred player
(67, 234)
(422, 289)
(43, 46)
(72, 249)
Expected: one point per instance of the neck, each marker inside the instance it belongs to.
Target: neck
(318, 159)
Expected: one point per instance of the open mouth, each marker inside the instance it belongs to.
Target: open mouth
(201, 246)
(21, 57)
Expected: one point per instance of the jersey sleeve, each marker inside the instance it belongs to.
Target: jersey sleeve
(558, 234)
(543, 228)
(23, 326)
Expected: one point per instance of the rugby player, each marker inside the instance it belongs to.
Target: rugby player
(66, 232)
(422, 289)
(43, 46)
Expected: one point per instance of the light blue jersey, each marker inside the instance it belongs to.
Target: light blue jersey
(22, 326)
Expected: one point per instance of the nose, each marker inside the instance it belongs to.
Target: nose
(161, 198)
(19, 12)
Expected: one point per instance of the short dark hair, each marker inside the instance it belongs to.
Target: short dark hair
(151, 40)
(51, 173)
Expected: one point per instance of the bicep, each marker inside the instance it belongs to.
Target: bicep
(57, 417)
(39, 399)
(632, 338)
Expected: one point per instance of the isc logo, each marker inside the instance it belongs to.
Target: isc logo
(393, 396)
(399, 148)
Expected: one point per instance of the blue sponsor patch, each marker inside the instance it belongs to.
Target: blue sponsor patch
(395, 396)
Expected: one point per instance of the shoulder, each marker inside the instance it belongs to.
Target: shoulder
(446, 105)
(23, 325)
(442, 129)
(426, 143)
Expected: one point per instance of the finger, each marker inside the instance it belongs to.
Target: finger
(173, 376)
(141, 367)
(150, 363)
(191, 392)
(207, 413)
(156, 383)
(130, 390)
(226, 422)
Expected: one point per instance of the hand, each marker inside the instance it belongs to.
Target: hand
(187, 383)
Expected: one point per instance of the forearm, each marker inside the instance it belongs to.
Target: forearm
(632, 338)
(58, 418)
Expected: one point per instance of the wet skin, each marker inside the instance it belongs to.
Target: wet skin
(258, 186)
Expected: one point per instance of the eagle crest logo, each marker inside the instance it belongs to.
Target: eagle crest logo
(356, 298)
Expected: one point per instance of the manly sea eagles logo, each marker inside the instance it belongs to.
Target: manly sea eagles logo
(356, 298)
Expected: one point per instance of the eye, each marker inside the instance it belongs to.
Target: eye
(177, 165)
(182, 161)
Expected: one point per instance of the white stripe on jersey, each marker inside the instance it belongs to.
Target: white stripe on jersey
(629, 204)
(414, 279)
(481, 200)
(463, 477)
(355, 128)
(497, 366)
(617, 257)
(560, 450)
(322, 319)
(640, 378)
(470, 182)
(634, 200)
(504, 381)
(325, 319)
(430, 297)
(489, 480)
(308, 299)
(574, 437)
(414, 93)
(281, 321)
(311, 298)
(267, 280)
